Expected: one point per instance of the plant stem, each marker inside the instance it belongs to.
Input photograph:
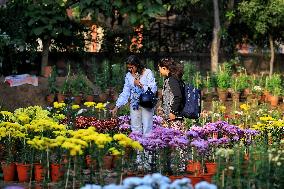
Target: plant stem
(74, 176)
(68, 172)
(47, 159)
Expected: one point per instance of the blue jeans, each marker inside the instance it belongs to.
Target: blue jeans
(142, 120)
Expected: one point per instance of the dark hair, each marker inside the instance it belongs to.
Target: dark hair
(176, 69)
(135, 61)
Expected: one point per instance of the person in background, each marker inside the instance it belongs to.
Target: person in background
(172, 93)
(172, 104)
(137, 81)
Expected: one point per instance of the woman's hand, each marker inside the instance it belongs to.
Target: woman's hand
(114, 111)
(172, 116)
(138, 83)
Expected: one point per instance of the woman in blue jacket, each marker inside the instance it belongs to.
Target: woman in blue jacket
(137, 81)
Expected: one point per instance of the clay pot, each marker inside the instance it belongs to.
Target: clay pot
(24, 172)
(193, 167)
(247, 92)
(223, 95)
(39, 172)
(60, 97)
(90, 162)
(207, 177)
(107, 160)
(77, 99)
(89, 98)
(274, 100)
(211, 167)
(175, 177)
(56, 172)
(9, 171)
(236, 96)
(103, 97)
(195, 179)
(50, 98)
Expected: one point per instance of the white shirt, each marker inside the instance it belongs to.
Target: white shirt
(147, 80)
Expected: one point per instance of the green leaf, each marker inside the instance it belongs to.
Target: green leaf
(159, 1)
(38, 31)
(140, 7)
(133, 18)
(117, 3)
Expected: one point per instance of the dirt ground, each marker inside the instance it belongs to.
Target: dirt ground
(25, 95)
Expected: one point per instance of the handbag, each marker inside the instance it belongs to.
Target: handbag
(148, 99)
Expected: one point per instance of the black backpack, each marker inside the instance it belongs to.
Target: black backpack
(192, 102)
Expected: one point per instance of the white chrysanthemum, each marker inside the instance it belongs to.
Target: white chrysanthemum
(91, 186)
(205, 185)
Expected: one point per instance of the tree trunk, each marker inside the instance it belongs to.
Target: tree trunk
(44, 54)
(216, 38)
(272, 55)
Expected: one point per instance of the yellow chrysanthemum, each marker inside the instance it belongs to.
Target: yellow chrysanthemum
(114, 151)
(245, 107)
(75, 107)
(119, 136)
(222, 109)
(136, 145)
(90, 104)
(100, 106)
(59, 105)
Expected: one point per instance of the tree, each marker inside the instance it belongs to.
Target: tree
(265, 18)
(119, 18)
(223, 13)
(27, 21)
(48, 21)
(215, 45)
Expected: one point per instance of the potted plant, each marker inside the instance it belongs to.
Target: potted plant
(8, 143)
(208, 86)
(78, 85)
(63, 90)
(239, 83)
(52, 88)
(274, 99)
(274, 87)
(223, 77)
(89, 93)
(24, 161)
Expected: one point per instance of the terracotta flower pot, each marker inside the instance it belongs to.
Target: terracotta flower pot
(50, 98)
(107, 160)
(266, 95)
(39, 172)
(77, 99)
(89, 98)
(175, 177)
(274, 100)
(195, 179)
(56, 172)
(60, 97)
(91, 163)
(207, 177)
(193, 167)
(211, 167)
(223, 94)
(24, 172)
(236, 96)
(9, 171)
(103, 97)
